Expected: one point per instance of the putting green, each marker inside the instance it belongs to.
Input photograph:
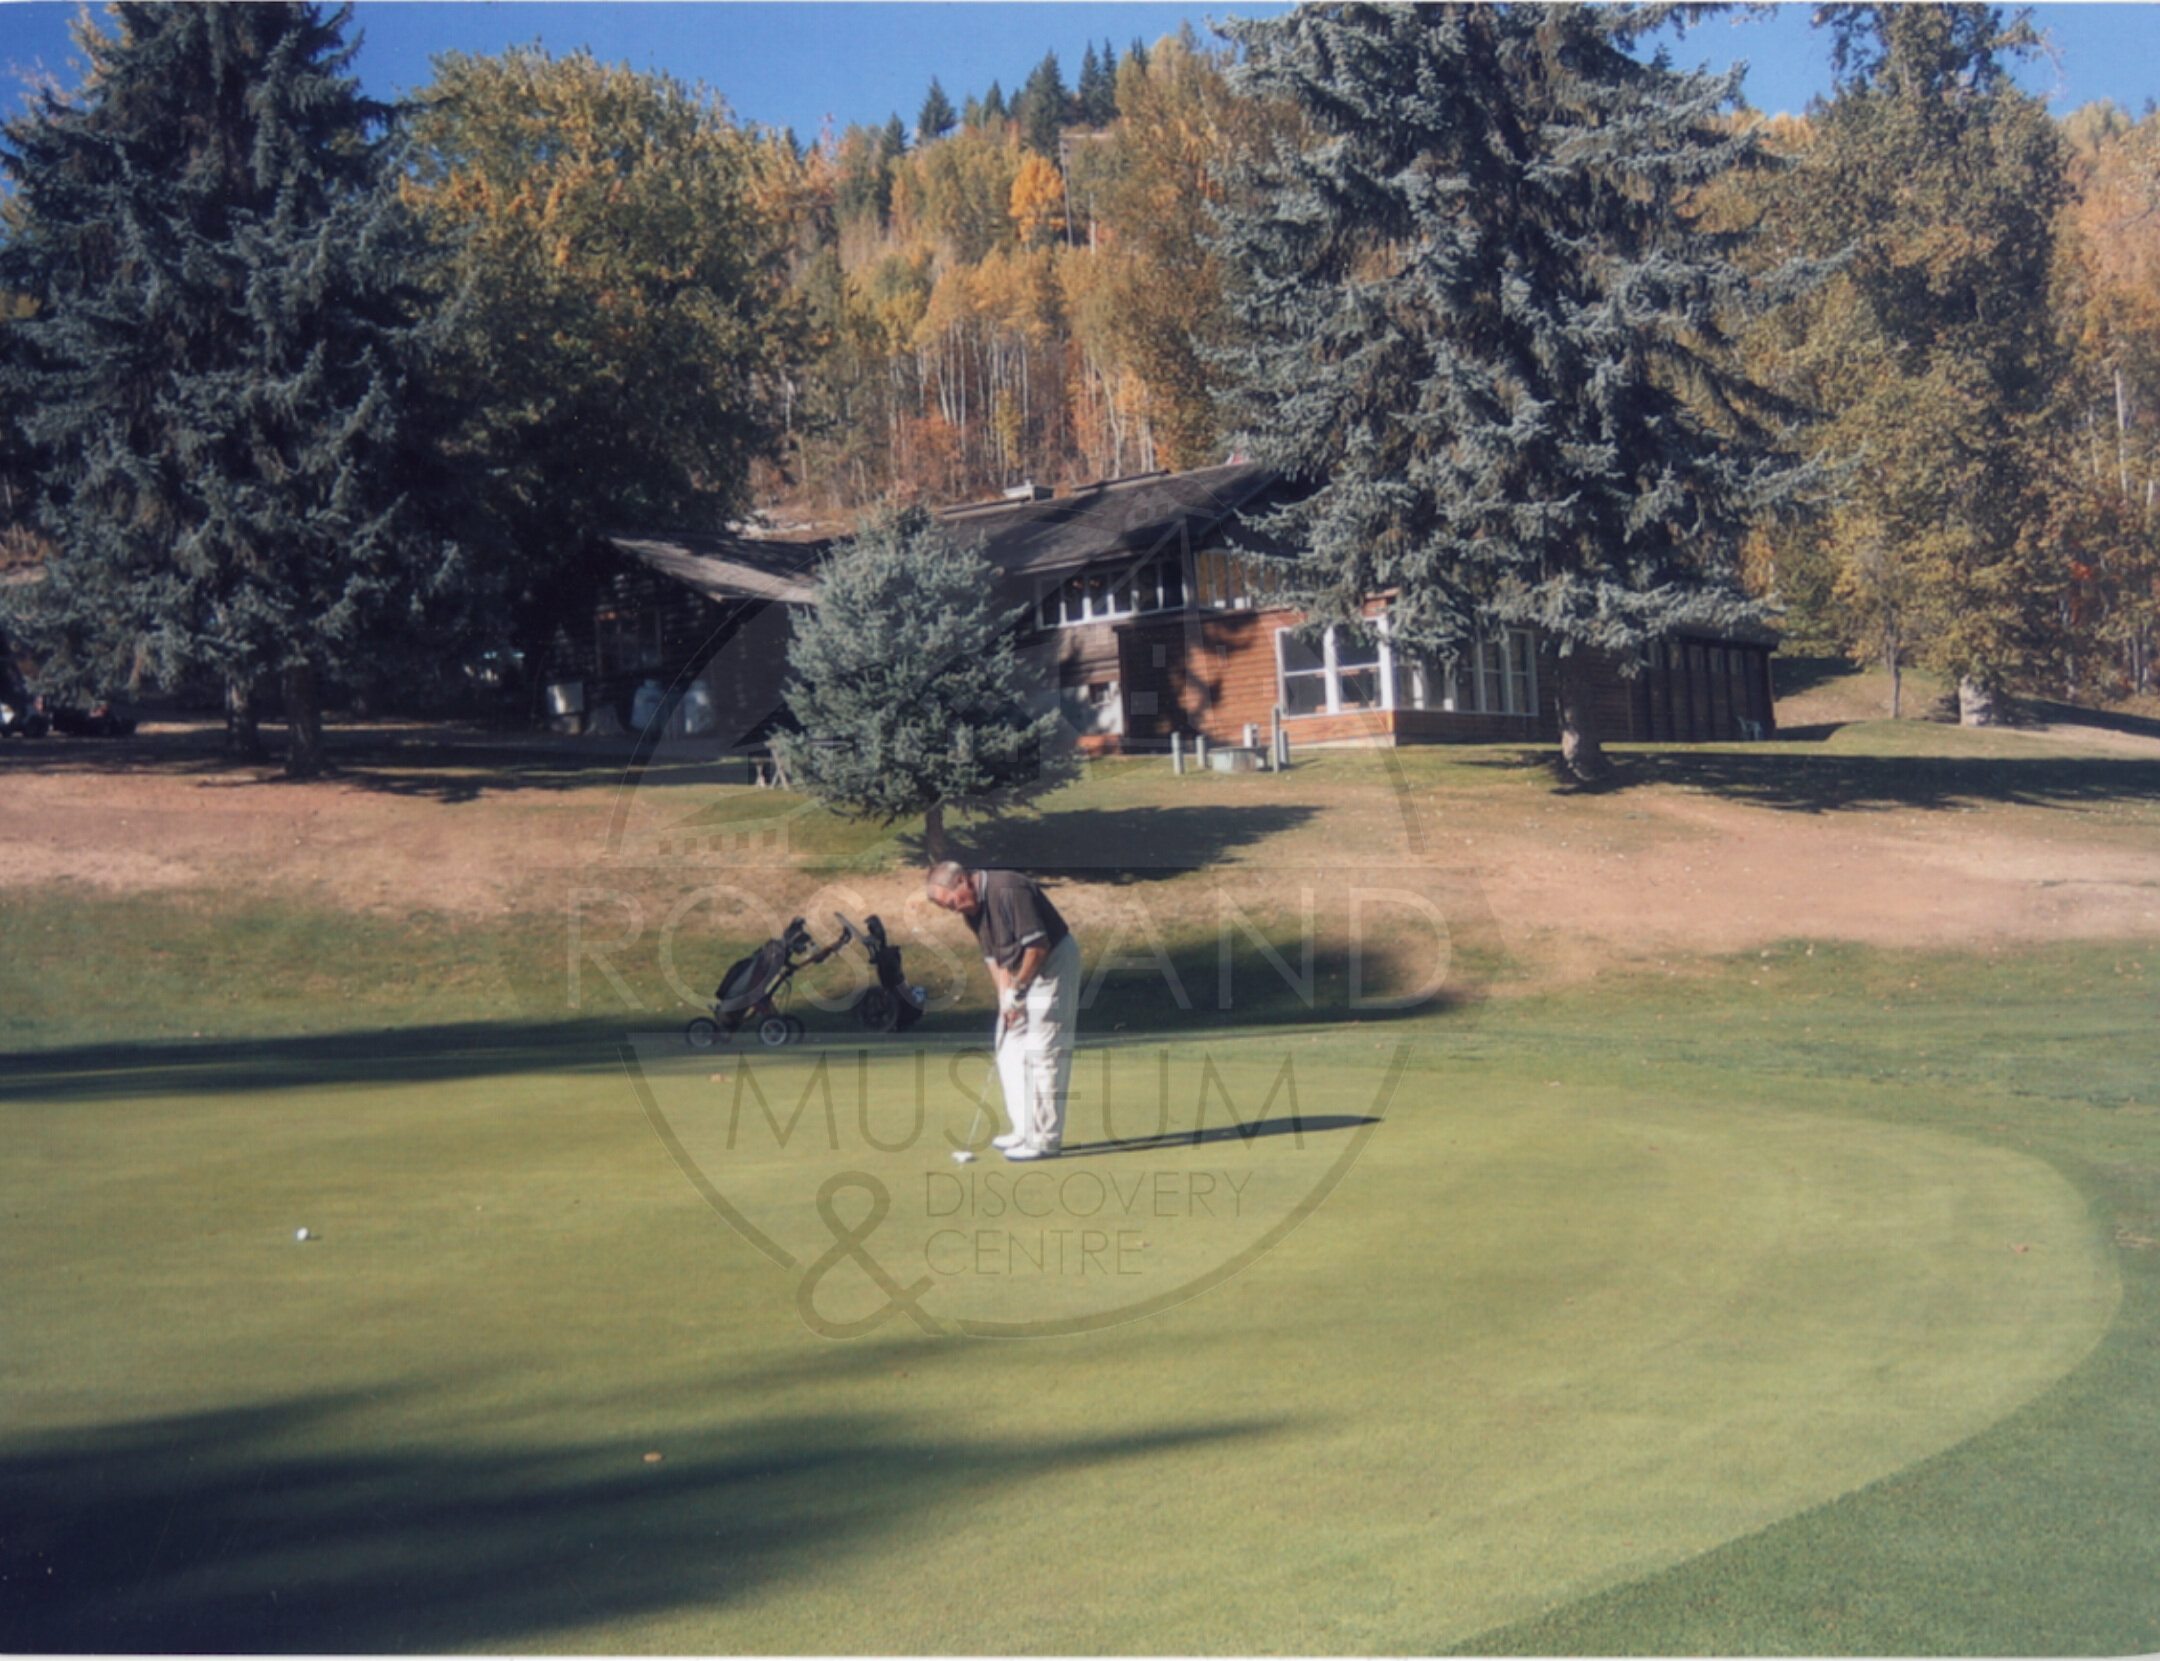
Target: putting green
(1529, 1342)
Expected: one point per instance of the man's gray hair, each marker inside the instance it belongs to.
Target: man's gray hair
(945, 876)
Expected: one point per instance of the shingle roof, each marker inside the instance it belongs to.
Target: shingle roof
(1123, 518)
(1119, 519)
(727, 567)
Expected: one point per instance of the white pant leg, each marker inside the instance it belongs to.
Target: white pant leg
(1012, 1077)
(1053, 1009)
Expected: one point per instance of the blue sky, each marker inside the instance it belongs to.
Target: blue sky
(800, 63)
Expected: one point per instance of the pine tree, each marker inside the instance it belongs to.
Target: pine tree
(907, 688)
(1095, 96)
(220, 363)
(937, 117)
(1487, 328)
(1041, 107)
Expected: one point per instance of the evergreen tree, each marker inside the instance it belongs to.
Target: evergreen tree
(992, 107)
(1041, 107)
(1487, 328)
(907, 687)
(1095, 96)
(937, 117)
(218, 368)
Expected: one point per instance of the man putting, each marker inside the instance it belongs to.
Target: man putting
(1035, 963)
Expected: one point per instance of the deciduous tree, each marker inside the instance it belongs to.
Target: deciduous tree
(1934, 349)
(626, 329)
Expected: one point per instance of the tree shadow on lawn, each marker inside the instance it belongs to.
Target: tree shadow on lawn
(1797, 783)
(1122, 845)
(218, 1067)
(268, 1528)
(1134, 1002)
(447, 764)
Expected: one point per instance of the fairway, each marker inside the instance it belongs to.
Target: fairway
(1534, 1339)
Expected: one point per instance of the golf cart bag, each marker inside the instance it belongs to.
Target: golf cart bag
(892, 1005)
(749, 991)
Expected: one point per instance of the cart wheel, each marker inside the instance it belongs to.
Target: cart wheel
(699, 1034)
(772, 1032)
(874, 1009)
(796, 1031)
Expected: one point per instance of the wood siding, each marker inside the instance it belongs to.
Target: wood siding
(1212, 675)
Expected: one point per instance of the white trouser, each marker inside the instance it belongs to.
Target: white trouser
(1035, 1057)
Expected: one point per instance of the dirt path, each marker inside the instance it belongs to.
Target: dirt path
(1589, 883)
(1713, 876)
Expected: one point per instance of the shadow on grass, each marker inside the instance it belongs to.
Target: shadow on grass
(271, 1528)
(1123, 845)
(1182, 994)
(1797, 783)
(2104, 720)
(1298, 1125)
(439, 762)
(409, 1055)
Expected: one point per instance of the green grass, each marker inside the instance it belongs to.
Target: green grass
(1749, 1313)
(1803, 1301)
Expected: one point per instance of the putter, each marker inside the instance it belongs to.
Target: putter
(966, 1155)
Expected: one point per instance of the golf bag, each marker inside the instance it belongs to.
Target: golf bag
(892, 1005)
(752, 985)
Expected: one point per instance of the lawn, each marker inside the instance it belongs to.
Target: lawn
(1804, 1299)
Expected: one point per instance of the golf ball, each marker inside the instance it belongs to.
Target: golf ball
(302, 1234)
(963, 1157)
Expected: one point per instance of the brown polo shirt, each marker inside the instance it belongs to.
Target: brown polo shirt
(1014, 914)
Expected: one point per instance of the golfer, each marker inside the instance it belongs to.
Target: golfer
(1035, 963)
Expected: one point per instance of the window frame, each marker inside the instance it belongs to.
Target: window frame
(1331, 670)
(1096, 594)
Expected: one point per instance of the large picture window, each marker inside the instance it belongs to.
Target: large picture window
(1097, 596)
(1499, 677)
(1334, 672)
(1337, 672)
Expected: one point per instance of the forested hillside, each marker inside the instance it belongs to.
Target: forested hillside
(638, 310)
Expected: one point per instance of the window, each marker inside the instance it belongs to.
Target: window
(1304, 674)
(1233, 582)
(1337, 673)
(1098, 595)
(1497, 677)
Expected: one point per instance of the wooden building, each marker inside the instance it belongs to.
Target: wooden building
(1149, 613)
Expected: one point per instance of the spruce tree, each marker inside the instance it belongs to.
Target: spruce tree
(937, 117)
(219, 366)
(906, 686)
(1095, 94)
(1040, 107)
(1489, 329)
